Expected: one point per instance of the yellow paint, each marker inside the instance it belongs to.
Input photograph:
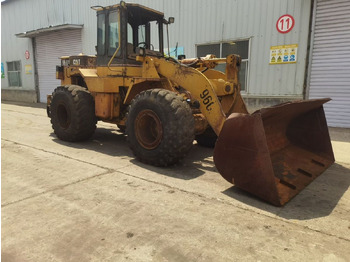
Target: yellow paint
(105, 82)
(148, 69)
(214, 74)
(200, 88)
(88, 72)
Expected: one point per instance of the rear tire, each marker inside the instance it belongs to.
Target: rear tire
(73, 113)
(160, 127)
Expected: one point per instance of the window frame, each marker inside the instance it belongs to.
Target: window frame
(19, 72)
(243, 60)
(109, 33)
(101, 46)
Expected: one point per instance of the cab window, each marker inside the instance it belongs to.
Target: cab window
(101, 34)
(113, 33)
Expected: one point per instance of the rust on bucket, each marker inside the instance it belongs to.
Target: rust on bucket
(275, 152)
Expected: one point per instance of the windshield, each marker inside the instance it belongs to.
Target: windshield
(148, 40)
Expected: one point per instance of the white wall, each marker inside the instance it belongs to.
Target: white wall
(196, 22)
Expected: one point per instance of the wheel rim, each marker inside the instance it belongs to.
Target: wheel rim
(148, 129)
(63, 116)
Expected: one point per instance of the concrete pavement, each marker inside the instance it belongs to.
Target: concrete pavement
(92, 201)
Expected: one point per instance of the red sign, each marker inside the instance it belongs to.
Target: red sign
(285, 24)
(27, 54)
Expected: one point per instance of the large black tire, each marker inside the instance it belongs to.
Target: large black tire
(160, 127)
(72, 113)
(207, 139)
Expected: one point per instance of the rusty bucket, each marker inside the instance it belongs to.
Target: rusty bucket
(275, 152)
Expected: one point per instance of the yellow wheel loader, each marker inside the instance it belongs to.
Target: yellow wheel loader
(163, 104)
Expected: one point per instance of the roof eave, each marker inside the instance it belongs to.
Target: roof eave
(40, 31)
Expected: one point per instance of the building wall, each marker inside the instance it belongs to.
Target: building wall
(18, 16)
(196, 22)
(13, 49)
(206, 21)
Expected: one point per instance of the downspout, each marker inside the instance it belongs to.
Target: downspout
(36, 74)
(311, 36)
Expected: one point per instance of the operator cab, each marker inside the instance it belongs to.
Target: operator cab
(126, 28)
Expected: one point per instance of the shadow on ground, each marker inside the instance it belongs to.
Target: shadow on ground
(106, 141)
(339, 134)
(25, 104)
(317, 200)
(113, 143)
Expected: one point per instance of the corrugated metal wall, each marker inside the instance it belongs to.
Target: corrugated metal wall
(18, 16)
(196, 22)
(205, 21)
(330, 67)
(49, 48)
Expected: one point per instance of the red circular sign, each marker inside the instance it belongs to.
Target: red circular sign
(285, 24)
(27, 54)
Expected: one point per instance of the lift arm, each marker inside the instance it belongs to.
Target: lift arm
(200, 87)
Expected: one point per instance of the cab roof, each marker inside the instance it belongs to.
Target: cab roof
(137, 14)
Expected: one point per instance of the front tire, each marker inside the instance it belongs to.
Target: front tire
(72, 112)
(160, 127)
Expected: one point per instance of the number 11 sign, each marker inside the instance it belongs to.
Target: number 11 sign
(285, 24)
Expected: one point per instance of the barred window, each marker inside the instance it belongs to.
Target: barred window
(14, 73)
(223, 49)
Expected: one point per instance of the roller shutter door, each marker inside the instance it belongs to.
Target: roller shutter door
(49, 48)
(330, 64)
